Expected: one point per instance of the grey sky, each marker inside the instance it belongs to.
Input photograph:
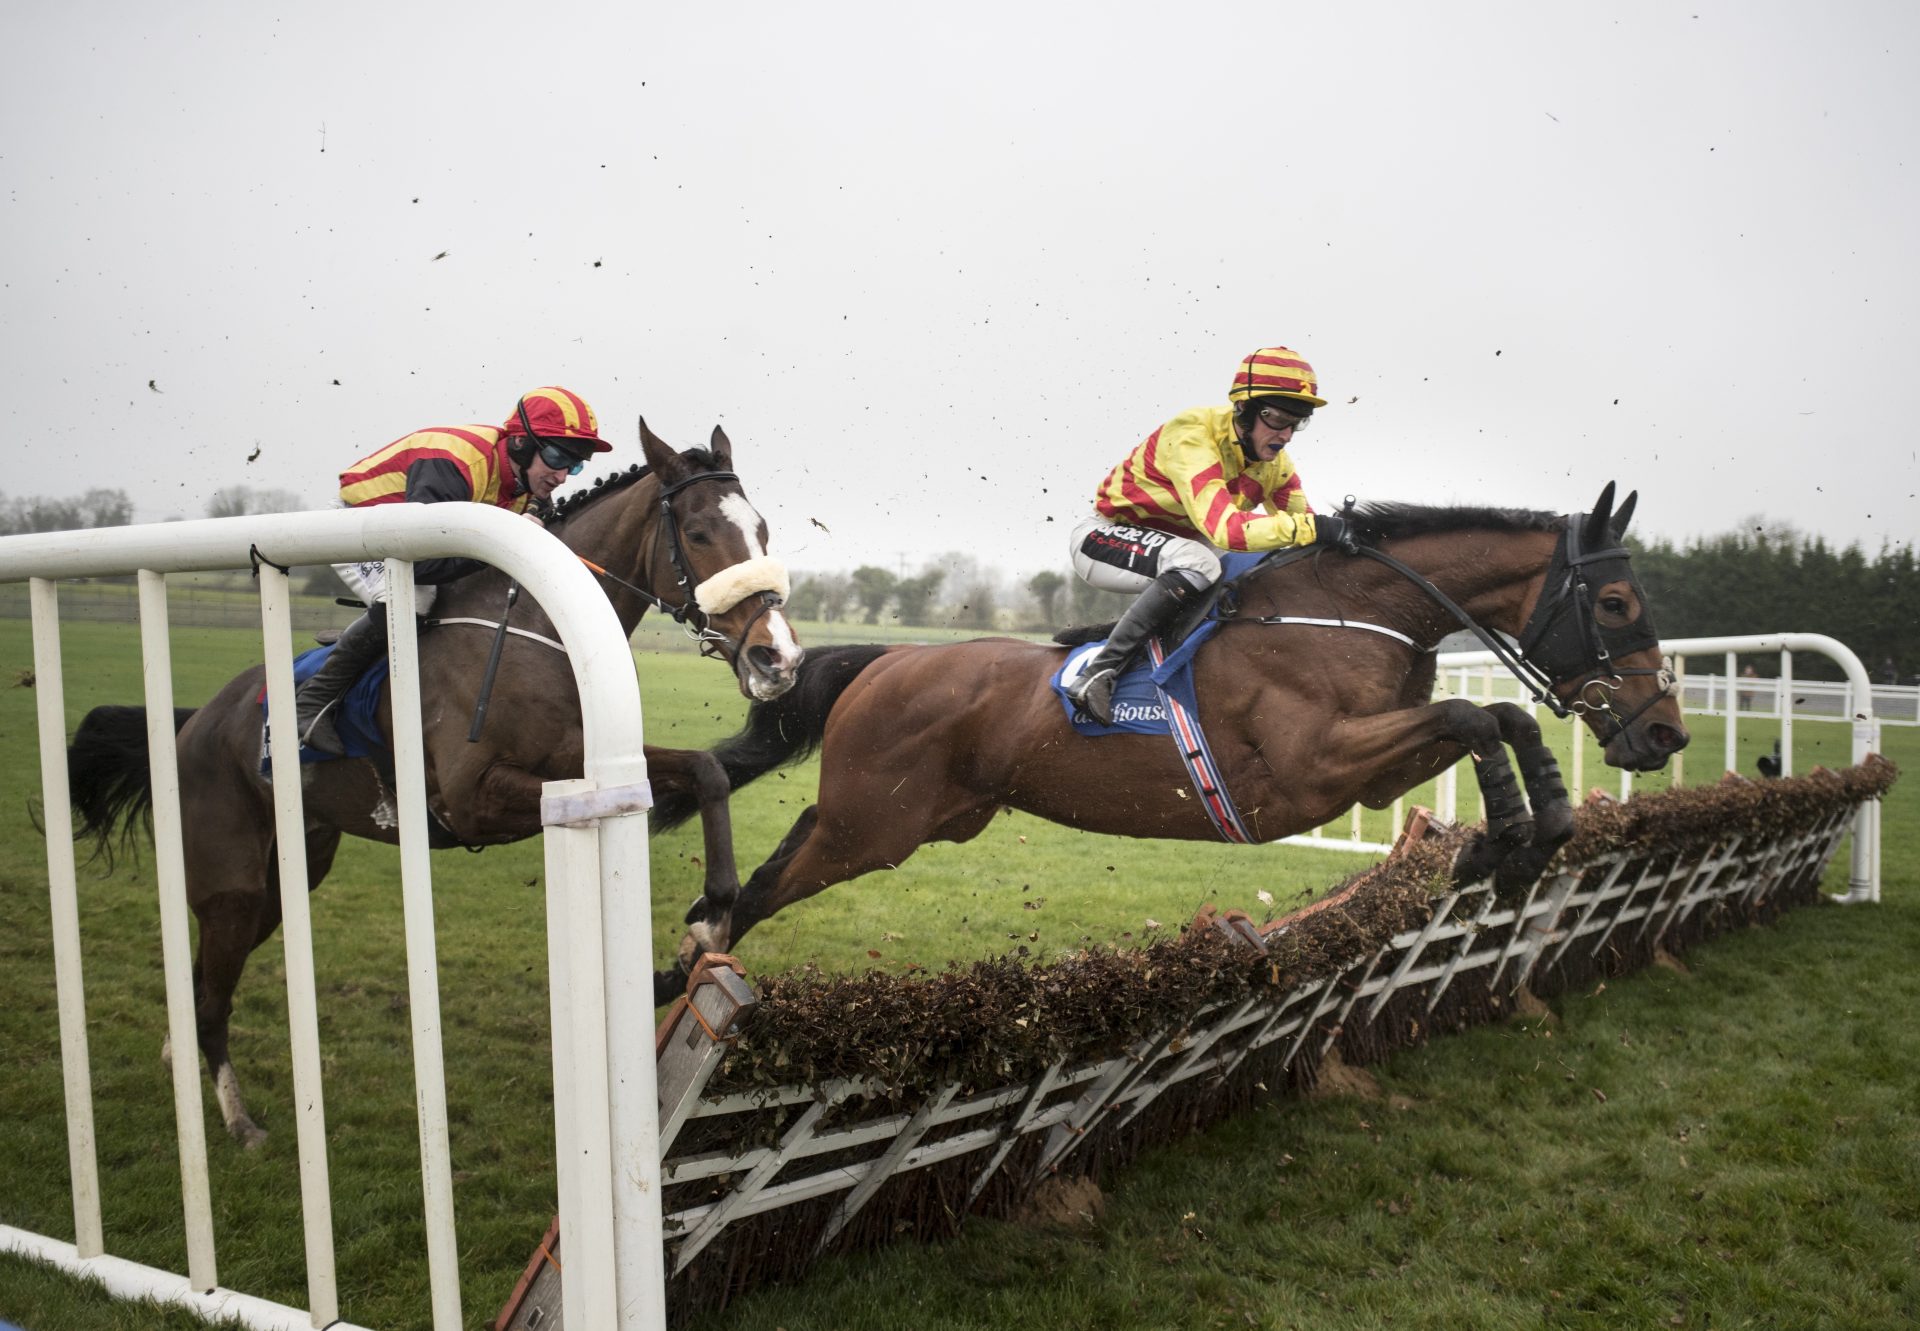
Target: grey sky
(938, 268)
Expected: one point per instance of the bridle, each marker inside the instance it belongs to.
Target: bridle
(688, 614)
(1574, 651)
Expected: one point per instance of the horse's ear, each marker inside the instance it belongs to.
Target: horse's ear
(1624, 514)
(660, 454)
(1595, 534)
(722, 449)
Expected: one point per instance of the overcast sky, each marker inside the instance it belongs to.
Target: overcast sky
(937, 268)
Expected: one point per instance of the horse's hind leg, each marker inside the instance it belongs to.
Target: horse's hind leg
(831, 847)
(230, 928)
(232, 925)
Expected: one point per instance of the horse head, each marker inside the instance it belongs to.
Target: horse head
(1591, 632)
(693, 547)
(726, 588)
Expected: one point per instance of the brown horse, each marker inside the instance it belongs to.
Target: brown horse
(676, 535)
(925, 743)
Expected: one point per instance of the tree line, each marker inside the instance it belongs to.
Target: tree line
(951, 591)
(1774, 580)
(113, 508)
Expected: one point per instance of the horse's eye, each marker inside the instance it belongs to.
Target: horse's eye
(698, 536)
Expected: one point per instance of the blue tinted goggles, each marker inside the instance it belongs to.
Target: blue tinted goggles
(561, 459)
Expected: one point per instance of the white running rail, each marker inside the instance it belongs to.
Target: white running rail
(598, 912)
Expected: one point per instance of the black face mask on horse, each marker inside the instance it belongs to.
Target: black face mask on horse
(1592, 612)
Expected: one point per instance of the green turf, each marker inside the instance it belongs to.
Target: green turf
(1753, 1162)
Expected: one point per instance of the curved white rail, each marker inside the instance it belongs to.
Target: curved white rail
(599, 911)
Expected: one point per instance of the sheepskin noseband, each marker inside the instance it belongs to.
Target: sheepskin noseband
(730, 586)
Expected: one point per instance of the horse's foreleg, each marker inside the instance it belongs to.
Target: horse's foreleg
(1546, 792)
(232, 925)
(698, 772)
(1397, 750)
(712, 929)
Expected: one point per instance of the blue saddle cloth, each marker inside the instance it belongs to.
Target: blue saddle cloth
(356, 715)
(1137, 706)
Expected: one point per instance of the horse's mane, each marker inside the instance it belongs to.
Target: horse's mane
(700, 459)
(1394, 521)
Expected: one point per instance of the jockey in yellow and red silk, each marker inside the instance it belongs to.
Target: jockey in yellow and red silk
(516, 465)
(1210, 479)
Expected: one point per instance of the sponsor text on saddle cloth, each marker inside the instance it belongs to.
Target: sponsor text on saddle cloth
(358, 722)
(1156, 696)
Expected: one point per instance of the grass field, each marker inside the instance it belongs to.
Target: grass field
(1755, 1161)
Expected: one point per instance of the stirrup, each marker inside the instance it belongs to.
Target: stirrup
(1093, 694)
(321, 734)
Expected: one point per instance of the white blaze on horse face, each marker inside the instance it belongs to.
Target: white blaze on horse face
(786, 647)
(742, 515)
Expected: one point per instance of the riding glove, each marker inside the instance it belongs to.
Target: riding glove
(1331, 529)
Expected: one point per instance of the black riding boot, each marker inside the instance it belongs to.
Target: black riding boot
(1152, 612)
(360, 644)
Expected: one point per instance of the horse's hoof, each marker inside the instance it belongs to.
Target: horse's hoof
(1514, 834)
(1477, 860)
(1553, 826)
(250, 1135)
(1519, 871)
(668, 985)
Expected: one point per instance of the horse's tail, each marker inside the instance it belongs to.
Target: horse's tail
(107, 774)
(784, 730)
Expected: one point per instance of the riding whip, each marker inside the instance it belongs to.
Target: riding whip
(493, 666)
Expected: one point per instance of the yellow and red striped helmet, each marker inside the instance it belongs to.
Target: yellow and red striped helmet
(1276, 372)
(556, 413)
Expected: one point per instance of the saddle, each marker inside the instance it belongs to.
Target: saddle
(1156, 695)
(358, 725)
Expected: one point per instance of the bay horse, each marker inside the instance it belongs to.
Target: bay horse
(678, 534)
(1315, 693)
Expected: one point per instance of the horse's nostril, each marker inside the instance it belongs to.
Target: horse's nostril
(762, 658)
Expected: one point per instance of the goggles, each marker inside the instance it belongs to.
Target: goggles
(1278, 418)
(561, 460)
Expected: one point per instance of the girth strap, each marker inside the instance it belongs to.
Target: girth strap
(1202, 769)
(495, 624)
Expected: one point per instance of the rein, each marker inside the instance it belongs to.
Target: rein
(1541, 636)
(1536, 681)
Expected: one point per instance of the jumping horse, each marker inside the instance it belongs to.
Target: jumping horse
(1315, 692)
(678, 535)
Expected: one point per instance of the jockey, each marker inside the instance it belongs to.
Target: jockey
(514, 466)
(1196, 487)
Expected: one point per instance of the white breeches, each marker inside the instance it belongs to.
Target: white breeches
(1117, 558)
(368, 581)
